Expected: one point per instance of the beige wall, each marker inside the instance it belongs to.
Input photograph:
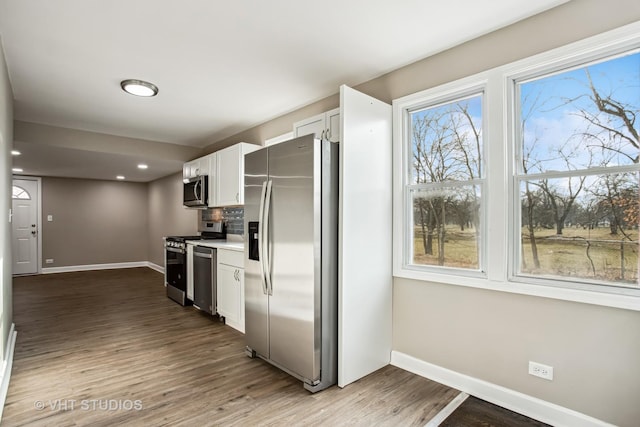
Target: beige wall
(167, 216)
(6, 139)
(94, 222)
(281, 125)
(492, 335)
(102, 222)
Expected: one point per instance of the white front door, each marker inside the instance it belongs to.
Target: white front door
(25, 226)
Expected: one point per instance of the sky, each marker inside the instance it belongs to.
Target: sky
(552, 123)
(553, 109)
(447, 113)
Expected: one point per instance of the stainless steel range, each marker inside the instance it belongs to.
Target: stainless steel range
(175, 267)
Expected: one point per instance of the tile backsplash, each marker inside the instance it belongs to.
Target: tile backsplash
(233, 216)
(235, 219)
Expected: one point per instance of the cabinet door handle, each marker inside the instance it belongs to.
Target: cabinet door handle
(237, 197)
(328, 134)
(322, 135)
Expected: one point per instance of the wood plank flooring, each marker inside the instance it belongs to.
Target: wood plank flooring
(93, 344)
(477, 413)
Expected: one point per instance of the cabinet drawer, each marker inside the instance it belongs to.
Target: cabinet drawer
(235, 258)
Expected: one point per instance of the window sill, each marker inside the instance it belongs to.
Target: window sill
(628, 299)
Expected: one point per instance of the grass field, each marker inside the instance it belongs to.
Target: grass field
(564, 256)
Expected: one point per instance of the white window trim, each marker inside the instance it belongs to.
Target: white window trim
(402, 108)
(499, 211)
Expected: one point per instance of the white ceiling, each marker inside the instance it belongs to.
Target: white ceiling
(222, 67)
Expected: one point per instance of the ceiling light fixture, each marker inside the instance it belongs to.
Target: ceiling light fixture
(142, 166)
(17, 170)
(139, 87)
(120, 177)
(15, 153)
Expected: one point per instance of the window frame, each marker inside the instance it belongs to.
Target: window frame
(500, 119)
(402, 109)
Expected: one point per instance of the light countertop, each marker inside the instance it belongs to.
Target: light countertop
(218, 244)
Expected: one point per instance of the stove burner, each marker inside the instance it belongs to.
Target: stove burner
(182, 239)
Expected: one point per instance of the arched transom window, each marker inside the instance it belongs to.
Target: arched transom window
(20, 193)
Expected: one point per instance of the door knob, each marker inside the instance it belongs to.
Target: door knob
(34, 232)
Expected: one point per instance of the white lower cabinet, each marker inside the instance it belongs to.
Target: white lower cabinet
(230, 287)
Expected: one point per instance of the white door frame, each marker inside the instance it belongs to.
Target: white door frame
(38, 182)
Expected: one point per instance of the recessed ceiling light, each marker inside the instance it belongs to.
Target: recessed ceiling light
(120, 177)
(139, 87)
(142, 166)
(17, 170)
(15, 153)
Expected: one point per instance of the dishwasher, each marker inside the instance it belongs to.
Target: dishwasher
(204, 279)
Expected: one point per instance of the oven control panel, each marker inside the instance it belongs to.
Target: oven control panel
(174, 244)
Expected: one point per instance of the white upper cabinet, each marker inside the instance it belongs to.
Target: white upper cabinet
(225, 169)
(324, 126)
(226, 178)
(196, 167)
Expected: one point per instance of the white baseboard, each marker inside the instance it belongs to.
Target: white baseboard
(521, 403)
(87, 267)
(156, 267)
(7, 365)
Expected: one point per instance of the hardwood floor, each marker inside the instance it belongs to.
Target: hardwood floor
(477, 413)
(93, 347)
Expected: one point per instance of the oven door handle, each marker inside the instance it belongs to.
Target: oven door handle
(201, 255)
(174, 250)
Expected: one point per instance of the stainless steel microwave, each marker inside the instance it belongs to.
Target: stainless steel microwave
(195, 192)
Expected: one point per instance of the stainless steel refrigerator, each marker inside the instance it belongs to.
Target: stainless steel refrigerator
(291, 263)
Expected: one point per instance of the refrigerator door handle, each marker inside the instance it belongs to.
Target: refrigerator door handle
(261, 238)
(267, 260)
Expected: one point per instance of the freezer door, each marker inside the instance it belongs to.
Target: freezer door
(256, 299)
(294, 256)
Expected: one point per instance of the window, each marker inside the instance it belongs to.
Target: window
(526, 178)
(577, 173)
(444, 182)
(20, 193)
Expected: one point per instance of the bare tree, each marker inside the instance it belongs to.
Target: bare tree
(446, 145)
(562, 201)
(621, 130)
(432, 156)
(530, 162)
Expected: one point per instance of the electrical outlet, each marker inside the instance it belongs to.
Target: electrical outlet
(49, 261)
(539, 370)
